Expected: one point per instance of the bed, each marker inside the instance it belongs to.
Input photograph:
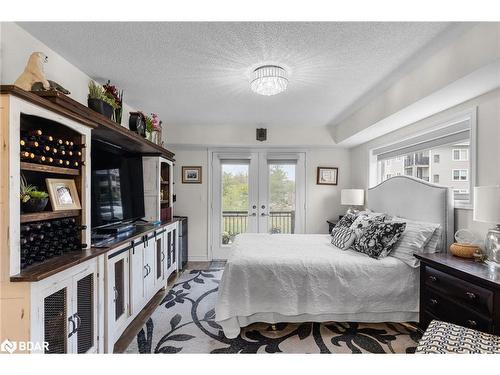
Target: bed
(303, 278)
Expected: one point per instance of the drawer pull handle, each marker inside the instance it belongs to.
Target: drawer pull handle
(471, 323)
(434, 302)
(471, 295)
(433, 278)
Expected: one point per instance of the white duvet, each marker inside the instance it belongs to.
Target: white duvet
(303, 277)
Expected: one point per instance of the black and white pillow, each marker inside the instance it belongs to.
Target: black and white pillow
(364, 220)
(379, 238)
(343, 237)
(347, 220)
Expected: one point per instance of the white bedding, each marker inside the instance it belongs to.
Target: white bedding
(303, 277)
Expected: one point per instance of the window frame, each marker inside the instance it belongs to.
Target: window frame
(460, 175)
(467, 114)
(459, 154)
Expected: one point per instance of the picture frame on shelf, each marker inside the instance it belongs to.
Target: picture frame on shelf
(191, 175)
(63, 194)
(327, 176)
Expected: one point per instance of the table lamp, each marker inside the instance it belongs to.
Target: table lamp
(487, 210)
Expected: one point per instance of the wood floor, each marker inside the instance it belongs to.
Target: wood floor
(133, 329)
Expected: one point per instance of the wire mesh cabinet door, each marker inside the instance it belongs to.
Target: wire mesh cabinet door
(85, 311)
(55, 323)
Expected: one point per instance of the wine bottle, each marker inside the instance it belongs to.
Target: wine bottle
(67, 163)
(47, 225)
(40, 159)
(32, 144)
(59, 142)
(46, 138)
(22, 142)
(38, 226)
(39, 258)
(59, 162)
(35, 133)
(25, 228)
(28, 156)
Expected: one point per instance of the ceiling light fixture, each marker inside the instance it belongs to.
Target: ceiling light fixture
(269, 80)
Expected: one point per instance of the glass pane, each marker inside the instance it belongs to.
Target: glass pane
(449, 166)
(234, 201)
(281, 198)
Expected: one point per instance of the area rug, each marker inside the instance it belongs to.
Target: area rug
(184, 323)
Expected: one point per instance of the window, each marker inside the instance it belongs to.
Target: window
(460, 175)
(431, 156)
(460, 154)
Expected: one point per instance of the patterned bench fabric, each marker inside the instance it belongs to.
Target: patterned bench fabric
(441, 338)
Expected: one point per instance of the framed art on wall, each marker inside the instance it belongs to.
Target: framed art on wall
(327, 176)
(191, 175)
(63, 194)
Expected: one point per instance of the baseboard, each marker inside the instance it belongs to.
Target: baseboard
(199, 258)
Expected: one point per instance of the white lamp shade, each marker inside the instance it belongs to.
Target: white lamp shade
(487, 204)
(352, 197)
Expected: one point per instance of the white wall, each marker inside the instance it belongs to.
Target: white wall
(322, 202)
(16, 46)
(488, 149)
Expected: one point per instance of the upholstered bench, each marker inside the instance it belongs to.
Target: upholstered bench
(441, 337)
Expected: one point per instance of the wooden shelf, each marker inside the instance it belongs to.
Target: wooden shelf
(48, 169)
(107, 130)
(48, 215)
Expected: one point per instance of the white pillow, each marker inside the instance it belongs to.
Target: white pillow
(343, 237)
(434, 243)
(415, 239)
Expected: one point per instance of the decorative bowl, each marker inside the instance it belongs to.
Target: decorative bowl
(463, 250)
(34, 205)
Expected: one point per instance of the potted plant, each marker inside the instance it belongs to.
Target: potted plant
(112, 92)
(149, 128)
(99, 101)
(156, 132)
(32, 200)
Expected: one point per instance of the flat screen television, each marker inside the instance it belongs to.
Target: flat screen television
(117, 191)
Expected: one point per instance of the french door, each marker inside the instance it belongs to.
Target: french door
(255, 192)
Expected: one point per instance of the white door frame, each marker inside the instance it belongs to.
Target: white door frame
(274, 154)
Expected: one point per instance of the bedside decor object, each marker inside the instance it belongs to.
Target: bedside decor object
(32, 200)
(352, 197)
(463, 250)
(191, 175)
(63, 194)
(487, 209)
(261, 134)
(33, 72)
(137, 123)
(269, 80)
(99, 101)
(327, 176)
(155, 129)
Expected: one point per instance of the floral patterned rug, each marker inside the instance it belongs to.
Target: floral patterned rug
(184, 323)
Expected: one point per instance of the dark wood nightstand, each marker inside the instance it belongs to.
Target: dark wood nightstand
(331, 224)
(459, 291)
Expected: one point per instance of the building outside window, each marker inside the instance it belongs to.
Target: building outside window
(436, 158)
(435, 179)
(460, 154)
(460, 174)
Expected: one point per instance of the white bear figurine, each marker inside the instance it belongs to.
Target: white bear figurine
(33, 72)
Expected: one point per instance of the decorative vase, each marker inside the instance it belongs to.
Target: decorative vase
(101, 107)
(155, 137)
(149, 136)
(118, 115)
(34, 205)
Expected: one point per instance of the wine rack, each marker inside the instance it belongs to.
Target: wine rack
(47, 239)
(40, 148)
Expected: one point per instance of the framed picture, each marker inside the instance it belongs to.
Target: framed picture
(191, 175)
(63, 194)
(327, 176)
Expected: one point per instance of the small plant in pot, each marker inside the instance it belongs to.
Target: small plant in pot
(100, 102)
(32, 199)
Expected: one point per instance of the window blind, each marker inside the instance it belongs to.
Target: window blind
(450, 134)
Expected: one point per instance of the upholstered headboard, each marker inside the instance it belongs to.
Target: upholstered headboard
(415, 199)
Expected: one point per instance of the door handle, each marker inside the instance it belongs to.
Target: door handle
(252, 214)
(263, 214)
(147, 272)
(70, 320)
(116, 293)
(78, 321)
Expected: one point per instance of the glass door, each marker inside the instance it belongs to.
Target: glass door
(258, 192)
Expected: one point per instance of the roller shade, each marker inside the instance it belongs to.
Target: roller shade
(450, 134)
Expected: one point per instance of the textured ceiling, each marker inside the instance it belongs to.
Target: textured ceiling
(198, 73)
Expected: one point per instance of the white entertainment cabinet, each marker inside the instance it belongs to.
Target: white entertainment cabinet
(83, 300)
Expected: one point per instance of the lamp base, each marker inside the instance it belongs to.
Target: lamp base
(492, 246)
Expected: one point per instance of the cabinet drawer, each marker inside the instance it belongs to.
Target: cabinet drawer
(473, 296)
(440, 307)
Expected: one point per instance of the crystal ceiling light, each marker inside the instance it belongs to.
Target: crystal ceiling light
(269, 80)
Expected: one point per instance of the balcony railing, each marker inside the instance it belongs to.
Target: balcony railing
(234, 222)
(417, 160)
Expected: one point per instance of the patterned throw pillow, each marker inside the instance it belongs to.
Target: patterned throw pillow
(364, 220)
(347, 220)
(379, 238)
(343, 238)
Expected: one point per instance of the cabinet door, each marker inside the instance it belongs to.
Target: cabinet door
(150, 267)
(85, 311)
(159, 258)
(168, 248)
(174, 248)
(137, 274)
(118, 288)
(56, 318)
